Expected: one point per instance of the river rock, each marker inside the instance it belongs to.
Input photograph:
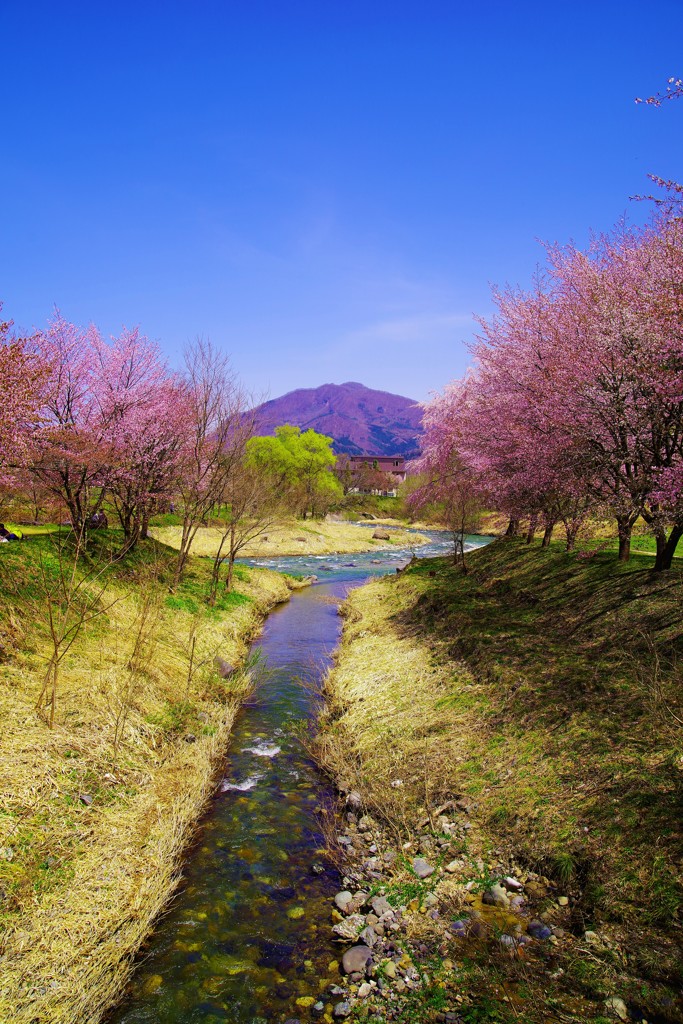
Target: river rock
(349, 928)
(354, 801)
(496, 896)
(223, 667)
(356, 960)
(342, 1009)
(342, 899)
(617, 1007)
(368, 935)
(538, 930)
(364, 990)
(381, 905)
(421, 868)
(512, 883)
(381, 535)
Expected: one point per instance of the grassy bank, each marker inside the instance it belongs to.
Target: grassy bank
(543, 690)
(297, 537)
(95, 812)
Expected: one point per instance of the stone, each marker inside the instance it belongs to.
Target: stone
(342, 1010)
(356, 959)
(538, 930)
(190, 738)
(295, 913)
(513, 883)
(364, 990)
(349, 928)
(390, 969)
(354, 801)
(368, 936)
(318, 869)
(617, 1007)
(562, 901)
(381, 905)
(496, 896)
(381, 535)
(421, 868)
(455, 865)
(85, 798)
(430, 901)
(223, 667)
(342, 899)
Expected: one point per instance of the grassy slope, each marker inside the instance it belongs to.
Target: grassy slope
(296, 538)
(80, 884)
(544, 687)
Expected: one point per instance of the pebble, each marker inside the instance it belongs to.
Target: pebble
(618, 1007)
(497, 897)
(513, 883)
(342, 899)
(356, 959)
(342, 1009)
(562, 901)
(349, 928)
(354, 801)
(381, 905)
(364, 990)
(538, 930)
(421, 868)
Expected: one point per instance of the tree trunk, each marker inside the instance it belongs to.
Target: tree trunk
(513, 528)
(144, 526)
(533, 523)
(625, 528)
(547, 535)
(666, 553)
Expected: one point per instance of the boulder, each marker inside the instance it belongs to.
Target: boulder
(381, 534)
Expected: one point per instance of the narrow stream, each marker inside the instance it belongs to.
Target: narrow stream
(249, 933)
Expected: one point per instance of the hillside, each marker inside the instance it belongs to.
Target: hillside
(537, 698)
(359, 419)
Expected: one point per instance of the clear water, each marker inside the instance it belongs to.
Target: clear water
(249, 932)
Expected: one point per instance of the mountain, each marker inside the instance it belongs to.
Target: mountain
(360, 420)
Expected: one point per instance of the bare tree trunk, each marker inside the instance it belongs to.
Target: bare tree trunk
(666, 553)
(625, 528)
(513, 528)
(547, 535)
(533, 523)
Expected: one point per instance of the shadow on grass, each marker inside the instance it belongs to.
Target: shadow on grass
(580, 659)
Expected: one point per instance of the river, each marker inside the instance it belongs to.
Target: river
(248, 934)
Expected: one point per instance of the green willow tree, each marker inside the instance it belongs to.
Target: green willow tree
(299, 466)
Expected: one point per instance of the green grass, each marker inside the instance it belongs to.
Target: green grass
(578, 662)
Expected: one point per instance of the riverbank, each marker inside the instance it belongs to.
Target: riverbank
(521, 722)
(300, 537)
(96, 811)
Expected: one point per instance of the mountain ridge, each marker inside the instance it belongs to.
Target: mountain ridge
(360, 420)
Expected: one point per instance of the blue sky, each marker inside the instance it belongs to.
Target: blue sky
(325, 189)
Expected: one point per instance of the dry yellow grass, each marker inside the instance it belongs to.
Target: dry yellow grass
(297, 538)
(385, 720)
(82, 883)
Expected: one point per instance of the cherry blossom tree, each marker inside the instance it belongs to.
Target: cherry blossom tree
(23, 377)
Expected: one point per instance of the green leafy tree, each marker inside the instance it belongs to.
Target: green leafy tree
(299, 465)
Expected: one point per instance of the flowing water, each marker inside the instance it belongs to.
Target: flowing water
(249, 933)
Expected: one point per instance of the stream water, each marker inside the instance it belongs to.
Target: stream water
(249, 933)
